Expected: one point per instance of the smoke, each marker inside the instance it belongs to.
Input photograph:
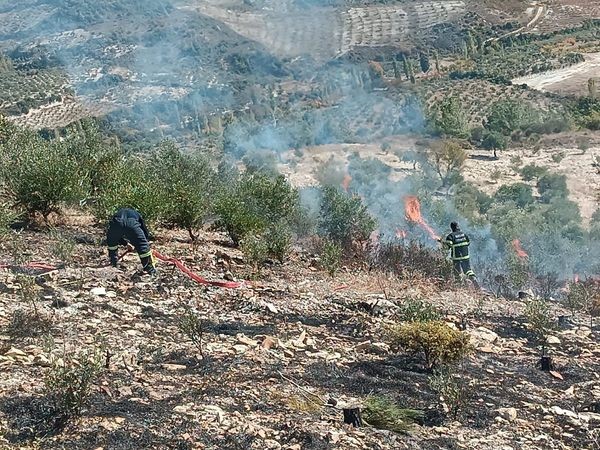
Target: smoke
(268, 75)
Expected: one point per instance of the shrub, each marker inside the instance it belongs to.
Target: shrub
(493, 140)
(416, 310)
(344, 219)
(190, 325)
(437, 342)
(520, 193)
(331, 256)
(449, 118)
(558, 157)
(27, 323)
(540, 319)
(62, 246)
(508, 116)
(187, 185)
(254, 203)
(7, 217)
(279, 240)
(131, 185)
(448, 158)
(255, 249)
(413, 257)
(68, 383)
(584, 296)
(38, 176)
(384, 414)
(552, 185)
(452, 389)
(532, 172)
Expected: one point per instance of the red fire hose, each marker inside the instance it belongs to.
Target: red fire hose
(194, 276)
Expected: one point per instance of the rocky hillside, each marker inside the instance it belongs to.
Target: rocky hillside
(279, 358)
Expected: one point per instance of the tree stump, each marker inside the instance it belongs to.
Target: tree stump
(352, 417)
(546, 363)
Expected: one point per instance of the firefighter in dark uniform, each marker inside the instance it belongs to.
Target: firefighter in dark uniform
(458, 244)
(127, 227)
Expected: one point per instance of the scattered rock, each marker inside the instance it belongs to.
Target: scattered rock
(174, 367)
(483, 334)
(246, 341)
(552, 340)
(508, 414)
(98, 292)
(269, 343)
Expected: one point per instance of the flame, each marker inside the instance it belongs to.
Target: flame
(413, 213)
(401, 234)
(346, 182)
(520, 252)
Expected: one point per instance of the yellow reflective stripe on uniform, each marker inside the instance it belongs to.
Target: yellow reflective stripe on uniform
(460, 258)
(145, 255)
(462, 244)
(116, 247)
(470, 273)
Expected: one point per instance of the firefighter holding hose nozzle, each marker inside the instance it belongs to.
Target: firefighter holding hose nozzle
(458, 243)
(127, 227)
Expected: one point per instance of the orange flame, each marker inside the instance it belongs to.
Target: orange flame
(401, 234)
(520, 252)
(413, 213)
(346, 182)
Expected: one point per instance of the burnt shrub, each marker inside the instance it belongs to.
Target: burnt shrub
(405, 259)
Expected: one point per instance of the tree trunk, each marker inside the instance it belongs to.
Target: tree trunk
(352, 417)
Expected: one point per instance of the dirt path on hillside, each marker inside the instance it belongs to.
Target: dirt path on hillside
(569, 80)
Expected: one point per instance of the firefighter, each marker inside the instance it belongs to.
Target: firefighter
(127, 227)
(458, 244)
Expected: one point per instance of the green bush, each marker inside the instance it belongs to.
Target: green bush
(449, 118)
(7, 217)
(68, 383)
(343, 218)
(279, 240)
(255, 249)
(384, 414)
(494, 141)
(331, 256)
(255, 203)
(39, 176)
(532, 172)
(452, 389)
(186, 184)
(508, 116)
(132, 185)
(438, 343)
(520, 193)
(552, 185)
(416, 310)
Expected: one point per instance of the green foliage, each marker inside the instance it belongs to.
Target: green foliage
(190, 325)
(68, 383)
(493, 140)
(540, 319)
(558, 157)
(417, 310)
(437, 342)
(508, 116)
(255, 249)
(39, 176)
(449, 119)
(532, 172)
(552, 185)
(584, 296)
(186, 185)
(331, 256)
(279, 240)
(254, 203)
(131, 185)
(448, 158)
(7, 217)
(385, 414)
(344, 219)
(63, 245)
(452, 389)
(520, 193)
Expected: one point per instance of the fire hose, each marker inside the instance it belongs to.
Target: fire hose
(194, 276)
